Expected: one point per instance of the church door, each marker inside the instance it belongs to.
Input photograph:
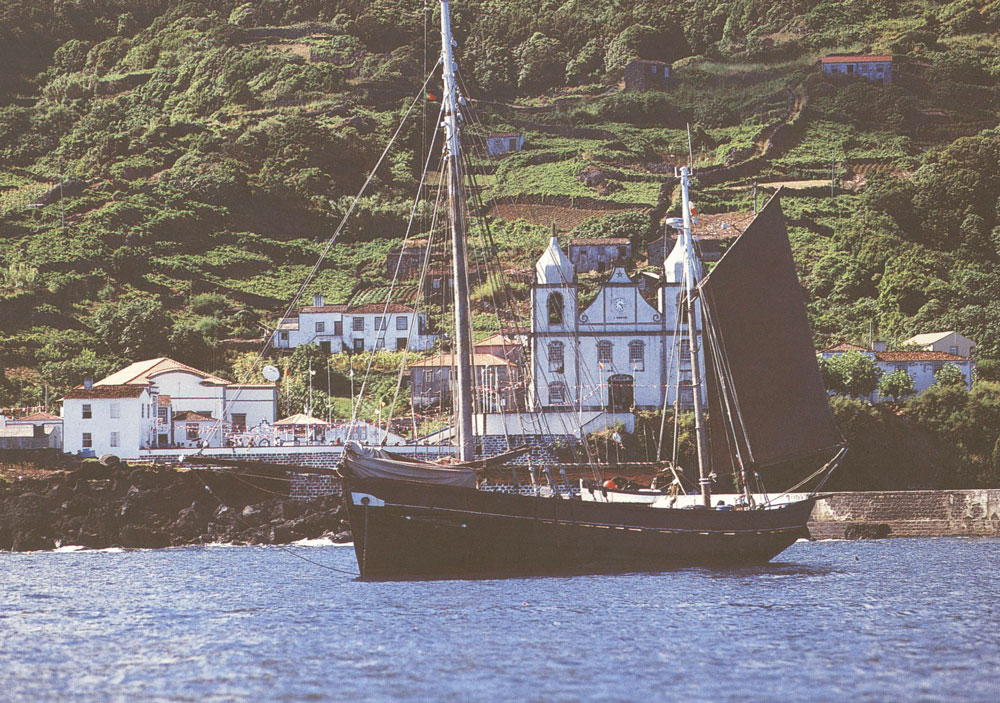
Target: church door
(620, 392)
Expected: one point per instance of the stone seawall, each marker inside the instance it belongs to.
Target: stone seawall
(971, 513)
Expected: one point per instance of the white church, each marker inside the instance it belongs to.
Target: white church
(618, 354)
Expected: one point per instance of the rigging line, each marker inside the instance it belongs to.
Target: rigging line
(586, 375)
(422, 281)
(326, 249)
(490, 247)
(281, 547)
(519, 211)
(417, 305)
(489, 255)
(399, 262)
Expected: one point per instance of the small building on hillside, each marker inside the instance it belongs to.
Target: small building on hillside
(40, 430)
(921, 365)
(409, 260)
(499, 143)
(877, 69)
(712, 233)
(337, 328)
(502, 345)
(598, 254)
(949, 342)
(642, 75)
(497, 382)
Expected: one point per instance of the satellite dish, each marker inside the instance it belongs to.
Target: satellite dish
(271, 373)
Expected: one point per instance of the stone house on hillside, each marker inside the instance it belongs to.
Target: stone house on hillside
(642, 75)
(877, 69)
(499, 143)
(598, 254)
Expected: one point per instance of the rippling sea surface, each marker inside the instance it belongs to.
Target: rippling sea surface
(889, 620)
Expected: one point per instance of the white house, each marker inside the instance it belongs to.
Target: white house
(874, 68)
(337, 328)
(921, 365)
(499, 143)
(618, 353)
(949, 342)
(109, 419)
(160, 402)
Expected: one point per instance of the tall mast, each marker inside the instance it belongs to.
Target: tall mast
(456, 212)
(694, 346)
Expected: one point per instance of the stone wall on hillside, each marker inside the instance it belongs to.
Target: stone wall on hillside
(907, 514)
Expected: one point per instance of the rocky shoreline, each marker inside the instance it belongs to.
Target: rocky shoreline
(98, 506)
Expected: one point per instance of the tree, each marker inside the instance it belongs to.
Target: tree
(133, 326)
(949, 375)
(853, 374)
(896, 385)
(543, 64)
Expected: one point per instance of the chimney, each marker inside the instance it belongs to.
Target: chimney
(878, 346)
(318, 300)
(88, 383)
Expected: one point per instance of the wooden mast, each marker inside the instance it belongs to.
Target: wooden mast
(690, 282)
(456, 210)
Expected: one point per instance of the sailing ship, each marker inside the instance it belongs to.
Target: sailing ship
(767, 408)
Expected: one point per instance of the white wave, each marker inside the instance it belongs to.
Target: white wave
(68, 548)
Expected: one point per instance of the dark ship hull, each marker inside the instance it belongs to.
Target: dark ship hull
(408, 530)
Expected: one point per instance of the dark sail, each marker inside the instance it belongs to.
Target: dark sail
(766, 350)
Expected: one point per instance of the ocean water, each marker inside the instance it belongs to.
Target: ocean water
(887, 620)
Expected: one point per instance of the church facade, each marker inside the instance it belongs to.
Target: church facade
(619, 353)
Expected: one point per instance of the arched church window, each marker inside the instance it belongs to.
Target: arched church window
(555, 306)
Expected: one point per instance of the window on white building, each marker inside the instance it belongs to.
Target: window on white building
(557, 393)
(284, 336)
(637, 354)
(556, 357)
(114, 439)
(115, 409)
(401, 323)
(191, 431)
(953, 350)
(359, 345)
(88, 440)
(380, 323)
(605, 351)
(87, 412)
(359, 324)
(380, 343)
(320, 327)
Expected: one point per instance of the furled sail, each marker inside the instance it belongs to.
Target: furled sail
(362, 462)
(764, 361)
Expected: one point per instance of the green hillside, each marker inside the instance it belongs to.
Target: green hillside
(206, 151)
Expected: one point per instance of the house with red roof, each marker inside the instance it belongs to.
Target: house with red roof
(877, 69)
(921, 364)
